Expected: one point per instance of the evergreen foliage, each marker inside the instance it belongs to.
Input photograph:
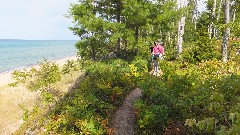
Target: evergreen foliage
(203, 49)
(110, 26)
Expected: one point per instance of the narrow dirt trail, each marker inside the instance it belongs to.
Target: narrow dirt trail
(124, 118)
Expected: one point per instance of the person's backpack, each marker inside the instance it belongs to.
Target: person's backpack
(155, 56)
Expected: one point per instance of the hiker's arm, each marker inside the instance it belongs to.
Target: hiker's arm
(163, 52)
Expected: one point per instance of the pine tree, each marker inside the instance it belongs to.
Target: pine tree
(106, 26)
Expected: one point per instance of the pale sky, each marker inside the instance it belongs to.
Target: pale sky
(35, 20)
(201, 5)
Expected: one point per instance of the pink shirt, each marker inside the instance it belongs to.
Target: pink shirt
(158, 49)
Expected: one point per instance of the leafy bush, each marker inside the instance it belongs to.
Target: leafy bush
(38, 79)
(87, 110)
(69, 66)
(152, 117)
(203, 49)
(204, 96)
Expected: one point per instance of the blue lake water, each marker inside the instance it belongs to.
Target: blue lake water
(19, 53)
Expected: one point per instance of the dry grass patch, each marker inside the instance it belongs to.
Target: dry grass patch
(10, 112)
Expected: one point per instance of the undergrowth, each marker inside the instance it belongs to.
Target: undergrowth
(196, 99)
(200, 98)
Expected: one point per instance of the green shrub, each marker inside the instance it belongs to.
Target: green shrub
(38, 79)
(88, 109)
(152, 118)
(203, 49)
(69, 66)
(203, 96)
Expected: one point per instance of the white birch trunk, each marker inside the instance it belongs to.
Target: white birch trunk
(234, 15)
(195, 14)
(218, 16)
(214, 8)
(227, 31)
(219, 10)
(181, 24)
(211, 27)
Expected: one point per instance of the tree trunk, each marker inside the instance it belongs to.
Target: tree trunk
(218, 16)
(181, 24)
(227, 31)
(119, 6)
(93, 54)
(211, 27)
(219, 10)
(195, 14)
(136, 35)
(234, 15)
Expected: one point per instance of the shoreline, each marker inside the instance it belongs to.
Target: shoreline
(32, 65)
(5, 76)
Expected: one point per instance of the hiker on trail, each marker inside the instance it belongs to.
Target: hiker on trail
(158, 50)
(157, 53)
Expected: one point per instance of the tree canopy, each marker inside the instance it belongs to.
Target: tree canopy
(105, 26)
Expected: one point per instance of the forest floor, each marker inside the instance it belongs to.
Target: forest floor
(124, 118)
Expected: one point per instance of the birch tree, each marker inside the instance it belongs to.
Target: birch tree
(181, 25)
(235, 19)
(195, 14)
(226, 33)
(218, 17)
(213, 15)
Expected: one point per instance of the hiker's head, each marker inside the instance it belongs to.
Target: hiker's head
(162, 44)
(159, 43)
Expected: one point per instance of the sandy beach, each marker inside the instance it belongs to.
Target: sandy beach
(12, 97)
(5, 77)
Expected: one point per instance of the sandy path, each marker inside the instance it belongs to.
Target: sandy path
(124, 119)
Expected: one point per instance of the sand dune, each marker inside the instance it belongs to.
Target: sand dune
(12, 97)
